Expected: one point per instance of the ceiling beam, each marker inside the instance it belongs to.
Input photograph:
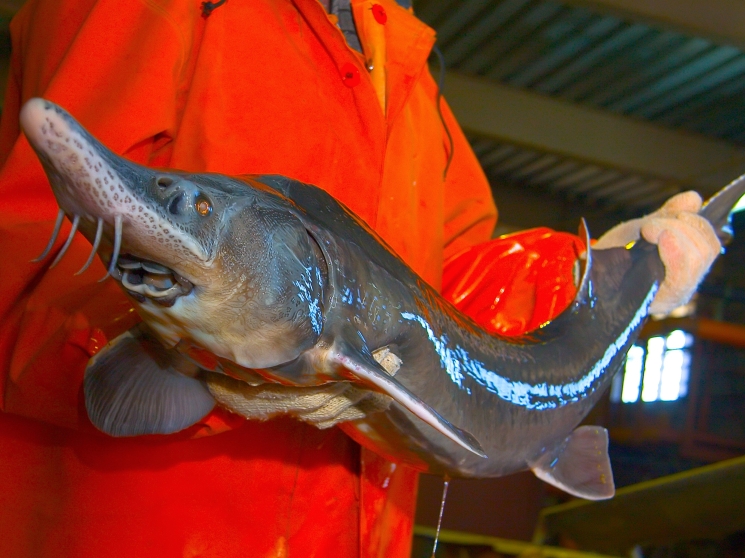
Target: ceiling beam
(681, 159)
(722, 21)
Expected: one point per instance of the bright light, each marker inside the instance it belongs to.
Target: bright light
(684, 373)
(672, 371)
(659, 373)
(632, 377)
(653, 369)
(678, 339)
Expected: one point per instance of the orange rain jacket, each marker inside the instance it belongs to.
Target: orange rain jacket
(267, 86)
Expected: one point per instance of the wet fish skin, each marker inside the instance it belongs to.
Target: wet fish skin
(288, 283)
(482, 380)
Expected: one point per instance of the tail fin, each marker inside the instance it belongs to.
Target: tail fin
(718, 208)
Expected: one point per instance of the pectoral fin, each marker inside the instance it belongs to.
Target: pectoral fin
(136, 386)
(580, 465)
(371, 373)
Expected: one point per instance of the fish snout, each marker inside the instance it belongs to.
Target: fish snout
(35, 122)
(79, 168)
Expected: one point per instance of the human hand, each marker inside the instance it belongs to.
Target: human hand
(687, 243)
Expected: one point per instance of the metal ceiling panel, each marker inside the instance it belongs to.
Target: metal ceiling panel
(594, 185)
(575, 54)
(596, 59)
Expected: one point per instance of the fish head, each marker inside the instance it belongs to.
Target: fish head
(204, 257)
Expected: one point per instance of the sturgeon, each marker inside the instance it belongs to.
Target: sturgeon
(261, 290)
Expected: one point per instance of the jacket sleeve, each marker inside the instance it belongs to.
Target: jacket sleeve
(469, 209)
(53, 321)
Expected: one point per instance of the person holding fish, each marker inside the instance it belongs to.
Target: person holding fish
(334, 95)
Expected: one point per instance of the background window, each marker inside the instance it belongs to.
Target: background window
(655, 371)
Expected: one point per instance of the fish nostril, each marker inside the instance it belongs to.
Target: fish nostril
(177, 204)
(164, 182)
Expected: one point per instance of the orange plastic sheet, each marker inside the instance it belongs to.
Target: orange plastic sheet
(514, 283)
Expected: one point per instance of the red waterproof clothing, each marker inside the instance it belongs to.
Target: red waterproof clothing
(267, 86)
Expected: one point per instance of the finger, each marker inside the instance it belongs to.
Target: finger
(620, 235)
(629, 231)
(684, 267)
(696, 228)
(686, 201)
(705, 236)
(683, 257)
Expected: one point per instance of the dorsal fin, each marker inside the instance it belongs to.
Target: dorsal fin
(579, 465)
(136, 386)
(558, 326)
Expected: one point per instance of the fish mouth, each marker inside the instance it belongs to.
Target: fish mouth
(148, 280)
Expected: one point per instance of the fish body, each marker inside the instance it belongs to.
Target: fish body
(299, 306)
(518, 399)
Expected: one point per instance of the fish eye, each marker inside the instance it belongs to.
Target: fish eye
(202, 205)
